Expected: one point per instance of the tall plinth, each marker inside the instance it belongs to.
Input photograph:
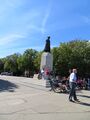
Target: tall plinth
(47, 61)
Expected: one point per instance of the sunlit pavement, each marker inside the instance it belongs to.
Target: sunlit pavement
(28, 99)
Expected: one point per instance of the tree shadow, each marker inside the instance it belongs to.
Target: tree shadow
(7, 86)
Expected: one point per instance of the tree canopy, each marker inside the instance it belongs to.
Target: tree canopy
(68, 55)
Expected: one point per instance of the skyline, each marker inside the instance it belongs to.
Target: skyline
(26, 24)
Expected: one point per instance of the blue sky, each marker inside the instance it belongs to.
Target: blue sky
(27, 23)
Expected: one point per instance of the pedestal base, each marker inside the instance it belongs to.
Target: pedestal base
(46, 61)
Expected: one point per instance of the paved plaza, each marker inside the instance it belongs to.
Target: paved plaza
(27, 99)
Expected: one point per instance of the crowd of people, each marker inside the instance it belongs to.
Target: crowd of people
(81, 83)
(71, 83)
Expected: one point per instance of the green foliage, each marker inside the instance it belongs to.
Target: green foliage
(1, 65)
(20, 62)
(37, 61)
(73, 54)
(11, 64)
(55, 52)
(29, 57)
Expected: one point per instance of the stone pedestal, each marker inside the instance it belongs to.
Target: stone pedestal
(47, 63)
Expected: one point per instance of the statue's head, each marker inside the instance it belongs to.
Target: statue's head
(48, 37)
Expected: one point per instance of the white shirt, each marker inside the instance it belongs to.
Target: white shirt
(42, 71)
(73, 77)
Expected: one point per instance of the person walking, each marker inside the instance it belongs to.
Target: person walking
(72, 82)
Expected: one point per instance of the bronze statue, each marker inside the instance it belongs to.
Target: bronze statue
(47, 45)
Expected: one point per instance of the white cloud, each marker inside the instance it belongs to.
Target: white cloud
(47, 14)
(34, 27)
(33, 20)
(13, 3)
(6, 4)
(7, 7)
(10, 38)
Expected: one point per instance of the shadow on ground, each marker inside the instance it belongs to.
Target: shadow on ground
(85, 104)
(86, 96)
(7, 86)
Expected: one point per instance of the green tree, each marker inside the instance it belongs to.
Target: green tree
(11, 64)
(55, 53)
(73, 54)
(29, 57)
(37, 61)
(1, 65)
(21, 67)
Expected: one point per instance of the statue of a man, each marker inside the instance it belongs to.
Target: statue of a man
(47, 45)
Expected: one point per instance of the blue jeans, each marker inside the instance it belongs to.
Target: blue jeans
(72, 93)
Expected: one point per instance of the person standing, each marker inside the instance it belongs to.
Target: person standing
(72, 82)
